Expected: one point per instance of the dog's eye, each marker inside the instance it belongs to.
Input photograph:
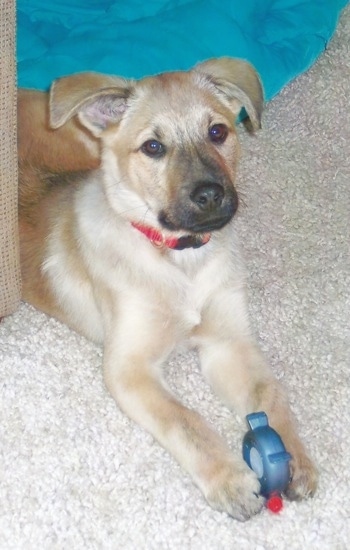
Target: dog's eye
(218, 133)
(153, 148)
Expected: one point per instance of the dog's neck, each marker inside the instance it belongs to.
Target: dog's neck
(175, 243)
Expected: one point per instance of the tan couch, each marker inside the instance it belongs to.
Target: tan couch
(9, 257)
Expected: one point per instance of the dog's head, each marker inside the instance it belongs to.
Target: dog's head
(169, 145)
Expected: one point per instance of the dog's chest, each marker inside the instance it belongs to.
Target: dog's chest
(168, 288)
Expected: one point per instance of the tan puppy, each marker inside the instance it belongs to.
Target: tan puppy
(141, 254)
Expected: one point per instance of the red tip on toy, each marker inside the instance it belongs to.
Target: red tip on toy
(274, 503)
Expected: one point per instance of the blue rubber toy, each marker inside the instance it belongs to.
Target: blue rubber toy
(266, 455)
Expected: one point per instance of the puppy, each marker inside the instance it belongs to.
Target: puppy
(141, 254)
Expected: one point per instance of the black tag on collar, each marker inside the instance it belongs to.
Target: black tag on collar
(190, 241)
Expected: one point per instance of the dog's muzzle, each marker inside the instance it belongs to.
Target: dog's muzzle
(206, 207)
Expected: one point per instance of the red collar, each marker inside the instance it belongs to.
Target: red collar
(176, 243)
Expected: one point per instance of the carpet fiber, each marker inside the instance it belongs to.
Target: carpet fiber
(76, 473)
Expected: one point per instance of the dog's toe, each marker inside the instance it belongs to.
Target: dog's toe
(235, 491)
(304, 479)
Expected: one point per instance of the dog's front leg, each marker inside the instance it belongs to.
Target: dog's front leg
(237, 371)
(132, 368)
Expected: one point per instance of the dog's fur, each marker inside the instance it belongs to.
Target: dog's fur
(86, 264)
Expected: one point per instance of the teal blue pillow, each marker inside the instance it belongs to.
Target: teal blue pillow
(135, 38)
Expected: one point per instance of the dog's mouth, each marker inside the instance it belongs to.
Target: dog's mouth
(206, 226)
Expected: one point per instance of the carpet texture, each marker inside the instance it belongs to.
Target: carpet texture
(77, 474)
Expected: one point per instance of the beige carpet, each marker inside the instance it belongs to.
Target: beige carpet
(77, 475)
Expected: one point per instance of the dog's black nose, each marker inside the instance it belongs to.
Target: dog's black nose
(208, 196)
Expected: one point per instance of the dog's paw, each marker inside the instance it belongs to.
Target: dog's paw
(304, 479)
(235, 490)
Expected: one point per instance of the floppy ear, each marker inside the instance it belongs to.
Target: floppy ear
(239, 83)
(98, 100)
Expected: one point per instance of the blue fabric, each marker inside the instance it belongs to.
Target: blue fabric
(134, 38)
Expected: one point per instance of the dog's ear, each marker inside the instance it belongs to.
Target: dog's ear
(98, 100)
(240, 85)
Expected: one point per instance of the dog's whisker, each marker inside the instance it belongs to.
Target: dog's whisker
(145, 214)
(127, 210)
(242, 200)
